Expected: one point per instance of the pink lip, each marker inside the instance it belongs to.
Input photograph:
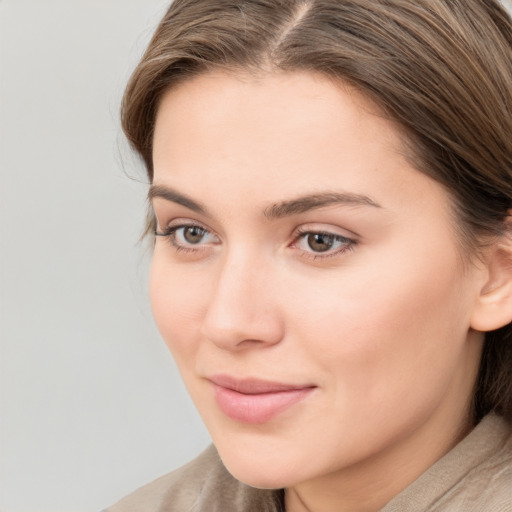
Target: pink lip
(253, 400)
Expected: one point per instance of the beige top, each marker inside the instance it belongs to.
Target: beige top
(476, 476)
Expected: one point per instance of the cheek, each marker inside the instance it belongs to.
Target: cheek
(388, 324)
(178, 301)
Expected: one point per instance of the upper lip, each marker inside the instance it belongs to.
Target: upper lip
(251, 386)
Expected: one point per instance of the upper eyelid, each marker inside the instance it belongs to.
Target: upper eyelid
(330, 230)
(183, 222)
(297, 232)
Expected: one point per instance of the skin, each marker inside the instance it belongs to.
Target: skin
(381, 326)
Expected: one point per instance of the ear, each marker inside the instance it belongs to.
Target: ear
(493, 308)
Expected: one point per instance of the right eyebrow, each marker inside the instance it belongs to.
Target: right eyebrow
(174, 196)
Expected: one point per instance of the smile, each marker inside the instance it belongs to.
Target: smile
(255, 401)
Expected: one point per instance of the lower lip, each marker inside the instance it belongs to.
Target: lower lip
(259, 407)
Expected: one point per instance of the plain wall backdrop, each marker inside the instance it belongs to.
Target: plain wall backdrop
(92, 405)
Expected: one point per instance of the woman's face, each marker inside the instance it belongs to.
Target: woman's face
(310, 284)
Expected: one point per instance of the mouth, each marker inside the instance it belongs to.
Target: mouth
(256, 401)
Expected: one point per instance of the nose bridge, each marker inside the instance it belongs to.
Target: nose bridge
(242, 306)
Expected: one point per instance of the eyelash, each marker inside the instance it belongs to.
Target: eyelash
(348, 244)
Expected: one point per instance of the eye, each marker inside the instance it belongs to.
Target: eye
(323, 244)
(186, 236)
(190, 234)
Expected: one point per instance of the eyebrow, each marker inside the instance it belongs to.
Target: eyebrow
(276, 211)
(314, 201)
(174, 196)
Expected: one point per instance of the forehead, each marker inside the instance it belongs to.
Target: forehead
(270, 138)
(287, 116)
(298, 97)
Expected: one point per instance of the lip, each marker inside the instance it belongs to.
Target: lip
(254, 400)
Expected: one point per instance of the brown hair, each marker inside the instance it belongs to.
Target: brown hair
(441, 69)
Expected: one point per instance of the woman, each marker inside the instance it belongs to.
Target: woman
(332, 269)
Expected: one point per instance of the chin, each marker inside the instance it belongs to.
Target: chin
(258, 477)
(261, 470)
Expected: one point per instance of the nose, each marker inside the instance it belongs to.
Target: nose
(243, 308)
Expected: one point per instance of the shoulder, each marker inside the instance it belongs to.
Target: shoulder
(488, 485)
(181, 485)
(475, 476)
(202, 485)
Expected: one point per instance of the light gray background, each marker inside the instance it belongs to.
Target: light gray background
(92, 405)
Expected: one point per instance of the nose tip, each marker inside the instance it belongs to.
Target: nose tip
(229, 335)
(242, 312)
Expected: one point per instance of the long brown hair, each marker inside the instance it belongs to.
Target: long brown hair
(441, 69)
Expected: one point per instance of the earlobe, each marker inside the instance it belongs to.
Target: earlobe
(493, 308)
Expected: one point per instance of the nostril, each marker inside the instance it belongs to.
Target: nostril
(232, 330)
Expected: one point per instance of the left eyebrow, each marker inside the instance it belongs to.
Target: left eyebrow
(315, 201)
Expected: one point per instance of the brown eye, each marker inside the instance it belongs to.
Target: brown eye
(189, 237)
(320, 242)
(193, 234)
